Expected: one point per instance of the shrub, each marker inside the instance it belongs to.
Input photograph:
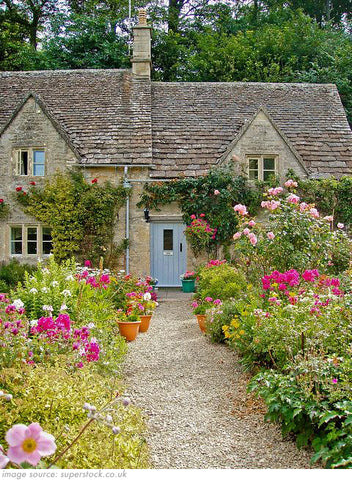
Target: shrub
(13, 273)
(220, 281)
(54, 397)
(219, 317)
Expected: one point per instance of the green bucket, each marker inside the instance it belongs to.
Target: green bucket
(188, 286)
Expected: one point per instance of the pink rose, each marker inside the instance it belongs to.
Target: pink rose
(251, 223)
(292, 198)
(270, 235)
(253, 240)
(237, 235)
(216, 192)
(340, 225)
(246, 231)
(241, 209)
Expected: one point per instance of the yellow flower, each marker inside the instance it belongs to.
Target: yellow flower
(225, 328)
(241, 332)
(275, 285)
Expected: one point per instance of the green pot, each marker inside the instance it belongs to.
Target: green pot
(188, 286)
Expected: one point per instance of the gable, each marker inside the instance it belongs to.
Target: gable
(261, 136)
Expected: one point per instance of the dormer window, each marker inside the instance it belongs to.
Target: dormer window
(261, 167)
(30, 162)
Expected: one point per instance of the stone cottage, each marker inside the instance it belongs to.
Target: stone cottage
(118, 124)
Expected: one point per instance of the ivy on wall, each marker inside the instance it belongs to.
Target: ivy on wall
(4, 209)
(214, 195)
(82, 216)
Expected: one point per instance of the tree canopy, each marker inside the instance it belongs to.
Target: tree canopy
(193, 40)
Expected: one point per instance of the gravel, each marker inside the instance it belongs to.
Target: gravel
(194, 396)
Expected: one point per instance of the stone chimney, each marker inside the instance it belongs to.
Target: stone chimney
(142, 58)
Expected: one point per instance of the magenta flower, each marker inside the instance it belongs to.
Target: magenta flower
(208, 299)
(88, 263)
(29, 444)
(334, 380)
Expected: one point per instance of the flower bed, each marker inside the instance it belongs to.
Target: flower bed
(59, 335)
(291, 319)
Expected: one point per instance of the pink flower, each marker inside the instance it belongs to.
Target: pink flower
(3, 458)
(270, 235)
(251, 223)
(340, 225)
(208, 299)
(290, 183)
(303, 206)
(237, 235)
(275, 191)
(202, 215)
(246, 231)
(334, 380)
(29, 444)
(253, 240)
(329, 218)
(193, 217)
(1, 200)
(314, 212)
(292, 198)
(216, 192)
(88, 263)
(241, 209)
(217, 302)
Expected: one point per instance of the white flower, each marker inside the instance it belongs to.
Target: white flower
(33, 323)
(69, 278)
(109, 418)
(91, 325)
(46, 271)
(33, 290)
(54, 283)
(63, 307)
(18, 303)
(66, 293)
(116, 430)
(44, 290)
(48, 308)
(147, 296)
(1, 393)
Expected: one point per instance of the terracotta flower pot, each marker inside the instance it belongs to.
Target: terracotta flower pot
(129, 330)
(145, 321)
(201, 322)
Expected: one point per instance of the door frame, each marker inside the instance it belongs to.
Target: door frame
(176, 220)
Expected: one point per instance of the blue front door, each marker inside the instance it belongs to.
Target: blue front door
(168, 253)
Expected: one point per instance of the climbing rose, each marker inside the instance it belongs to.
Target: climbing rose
(251, 223)
(293, 198)
(241, 209)
(29, 444)
(18, 189)
(329, 218)
(1, 200)
(340, 225)
(314, 212)
(290, 183)
(237, 235)
(246, 231)
(95, 180)
(32, 183)
(253, 240)
(270, 235)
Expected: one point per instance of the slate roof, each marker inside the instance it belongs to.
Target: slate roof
(104, 113)
(179, 129)
(194, 123)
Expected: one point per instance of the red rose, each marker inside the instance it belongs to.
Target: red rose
(31, 183)
(95, 180)
(1, 200)
(18, 189)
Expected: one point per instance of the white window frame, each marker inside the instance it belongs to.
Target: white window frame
(30, 167)
(25, 240)
(260, 159)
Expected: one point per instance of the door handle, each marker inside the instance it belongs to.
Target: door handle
(180, 247)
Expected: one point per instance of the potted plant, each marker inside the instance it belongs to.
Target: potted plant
(200, 308)
(146, 314)
(188, 280)
(128, 323)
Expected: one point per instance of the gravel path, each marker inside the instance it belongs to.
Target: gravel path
(194, 395)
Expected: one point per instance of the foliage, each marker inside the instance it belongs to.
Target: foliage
(54, 397)
(12, 273)
(331, 196)
(220, 281)
(313, 400)
(4, 209)
(295, 236)
(82, 216)
(219, 317)
(197, 195)
(199, 234)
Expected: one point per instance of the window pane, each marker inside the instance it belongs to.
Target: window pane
(253, 174)
(22, 163)
(32, 248)
(38, 170)
(16, 240)
(253, 164)
(267, 175)
(269, 164)
(168, 240)
(47, 244)
(32, 233)
(38, 162)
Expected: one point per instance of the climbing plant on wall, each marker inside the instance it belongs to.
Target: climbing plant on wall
(213, 195)
(82, 215)
(4, 209)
